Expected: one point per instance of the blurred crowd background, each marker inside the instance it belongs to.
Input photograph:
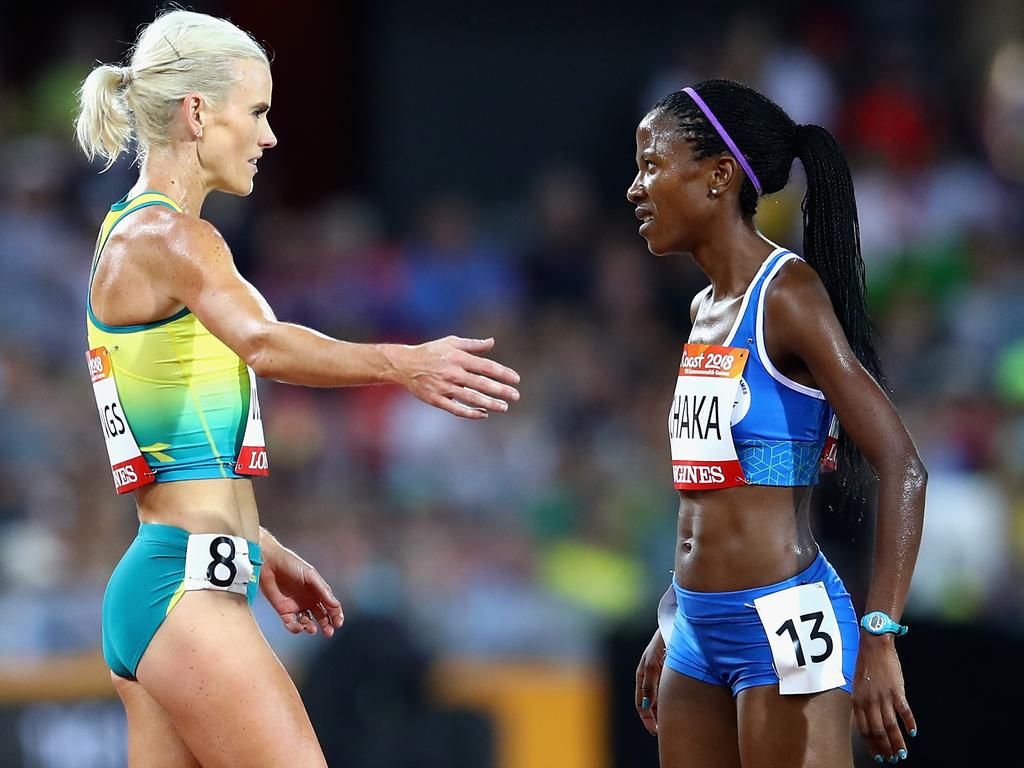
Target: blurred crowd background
(455, 169)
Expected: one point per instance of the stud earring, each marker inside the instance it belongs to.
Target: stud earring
(714, 191)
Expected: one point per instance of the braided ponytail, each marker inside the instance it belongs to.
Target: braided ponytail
(832, 247)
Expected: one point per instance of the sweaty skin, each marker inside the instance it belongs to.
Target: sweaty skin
(739, 538)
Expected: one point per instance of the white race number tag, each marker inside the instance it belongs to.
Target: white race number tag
(217, 561)
(700, 420)
(127, 464)
(804, 636)
(252, 457)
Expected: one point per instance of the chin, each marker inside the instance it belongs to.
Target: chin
(656, 248)
(240, 189)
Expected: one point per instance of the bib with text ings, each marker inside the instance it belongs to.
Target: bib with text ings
(127, 464)
(699, 422)
(802, 630)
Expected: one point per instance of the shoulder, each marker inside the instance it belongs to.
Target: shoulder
(798, 312)
(796, 290)
(174, 239)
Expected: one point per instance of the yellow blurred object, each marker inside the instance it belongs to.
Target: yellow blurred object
(601, 580)
(55, 678)
(545, 715)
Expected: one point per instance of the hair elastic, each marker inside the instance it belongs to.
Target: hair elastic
(725, 137)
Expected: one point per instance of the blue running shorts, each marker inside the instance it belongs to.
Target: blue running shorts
(719, 637)
(144, 587)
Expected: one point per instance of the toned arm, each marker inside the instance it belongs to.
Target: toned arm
(197, 270)
(800, 322)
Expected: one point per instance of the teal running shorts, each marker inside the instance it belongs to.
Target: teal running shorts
(150, 579)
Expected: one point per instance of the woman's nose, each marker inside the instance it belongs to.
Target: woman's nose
(636, 192)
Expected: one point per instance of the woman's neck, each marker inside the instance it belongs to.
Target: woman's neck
(731, 261)
(176, 174)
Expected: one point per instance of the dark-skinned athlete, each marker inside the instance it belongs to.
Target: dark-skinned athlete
(762, 661)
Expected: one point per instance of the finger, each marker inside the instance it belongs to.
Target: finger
(337, 615)
(471, 345)
(488, 386)
(490, 369)
(323, 619)
(323, 590)
(291, 623)
(903, 708)
(892, 729)
(879, 736)
(473, 398)
(865, 731)
(645, 702)
(456, 408)
(307, 622)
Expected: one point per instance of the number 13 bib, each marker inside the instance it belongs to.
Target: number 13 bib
(699, 422)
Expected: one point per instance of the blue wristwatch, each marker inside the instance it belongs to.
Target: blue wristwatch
(878, 623)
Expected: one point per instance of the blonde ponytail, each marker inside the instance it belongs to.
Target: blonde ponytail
(181, 52)
(104, 124)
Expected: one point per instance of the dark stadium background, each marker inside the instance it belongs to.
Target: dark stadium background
(456, 167)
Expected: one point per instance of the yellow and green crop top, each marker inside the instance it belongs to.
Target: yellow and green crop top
(185, 394)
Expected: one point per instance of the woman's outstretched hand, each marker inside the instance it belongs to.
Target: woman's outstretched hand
(450, 374)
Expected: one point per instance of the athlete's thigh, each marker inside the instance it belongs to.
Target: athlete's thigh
(227, 694)
(696, 723)
(794, 731)
(153, 742)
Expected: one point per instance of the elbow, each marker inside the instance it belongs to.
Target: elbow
(917, 473)
(257, 351)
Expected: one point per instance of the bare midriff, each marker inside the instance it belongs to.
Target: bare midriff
(202, 506)
(745, 537)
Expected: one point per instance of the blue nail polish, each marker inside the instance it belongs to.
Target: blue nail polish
(645, 704)
(913, 731)
(879, 759)
(902, 754)
(894, 759)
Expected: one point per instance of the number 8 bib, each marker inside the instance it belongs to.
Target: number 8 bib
(217, 561)
(803, 633)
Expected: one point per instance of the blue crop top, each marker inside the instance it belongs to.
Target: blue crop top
(780, 437)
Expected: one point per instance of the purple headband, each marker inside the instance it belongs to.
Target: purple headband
(725, 137)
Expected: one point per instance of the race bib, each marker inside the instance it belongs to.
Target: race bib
(700, 420)
(830, 452)
(803, 633)
(252, 456)
(217, 561)
(127, 464)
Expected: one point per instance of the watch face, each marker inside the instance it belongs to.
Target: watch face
(876, 622)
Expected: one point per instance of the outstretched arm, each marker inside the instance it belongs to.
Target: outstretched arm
(803, 324)
(199, 272)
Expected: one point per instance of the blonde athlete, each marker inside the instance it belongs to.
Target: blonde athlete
(176, 338)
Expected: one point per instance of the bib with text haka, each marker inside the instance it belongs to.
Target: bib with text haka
(700, 420)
